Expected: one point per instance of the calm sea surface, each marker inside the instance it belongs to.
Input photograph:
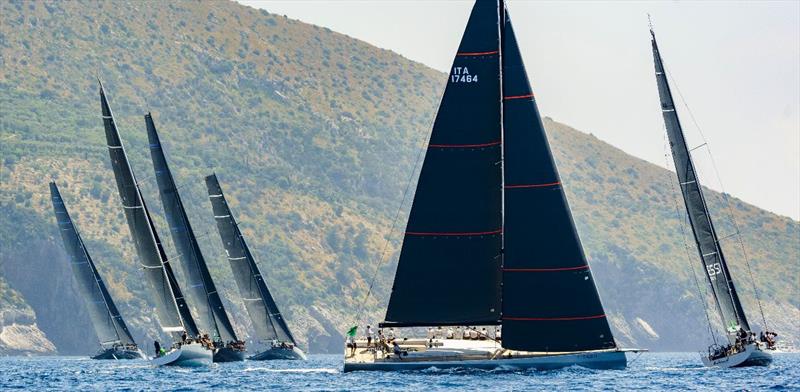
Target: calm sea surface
(681, 371)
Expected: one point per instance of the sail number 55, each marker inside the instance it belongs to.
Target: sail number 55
(462, 75)
(714, 270)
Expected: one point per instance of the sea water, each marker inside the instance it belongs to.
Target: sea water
(649, 371)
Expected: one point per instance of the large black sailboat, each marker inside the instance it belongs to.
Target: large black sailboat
(268, 322)
(208, 308)
(171, 308)
(743, 349)
(490, 239)
(115, 339)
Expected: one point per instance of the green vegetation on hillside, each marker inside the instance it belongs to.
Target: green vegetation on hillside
(313, 135)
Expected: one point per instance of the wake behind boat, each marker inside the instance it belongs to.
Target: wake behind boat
(490, 238)
(742, 348)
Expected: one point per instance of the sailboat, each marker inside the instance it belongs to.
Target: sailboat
(171, 308)
(268, 322)
(490, 239)
(115, 339)
(743, 350)
(202, 291)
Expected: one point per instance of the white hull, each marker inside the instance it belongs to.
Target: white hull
(469, 355)
(751, 356)
(188, 355)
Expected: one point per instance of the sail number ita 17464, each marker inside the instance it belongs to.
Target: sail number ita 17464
(462, 75)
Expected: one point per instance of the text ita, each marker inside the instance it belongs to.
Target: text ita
(462, 75)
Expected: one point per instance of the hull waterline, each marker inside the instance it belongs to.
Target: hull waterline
(188, 355)
(602, 361)
(227, 354)
(751, 356)
(119, 354)
(277, 353)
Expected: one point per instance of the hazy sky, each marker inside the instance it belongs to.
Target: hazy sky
(737, 64)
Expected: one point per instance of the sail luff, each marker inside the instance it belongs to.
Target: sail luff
(705, 236)
(148, 247)
(267, 319)
(202, 290)
(107, 321)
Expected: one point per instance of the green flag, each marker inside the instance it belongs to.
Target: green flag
(352, 331)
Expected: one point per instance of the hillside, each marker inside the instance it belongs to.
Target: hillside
(314, 136)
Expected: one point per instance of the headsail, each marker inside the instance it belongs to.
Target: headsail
(716, 268)
(173, 313)
(208, 304)
(107, 321)
(267, 319)
(550, 302)
(449, 268)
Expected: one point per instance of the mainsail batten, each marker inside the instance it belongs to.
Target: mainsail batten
(550, 302)
(705, 236)
(449, 268)
(210, 310)
(107, 321)
(172, 312)
(268, 322)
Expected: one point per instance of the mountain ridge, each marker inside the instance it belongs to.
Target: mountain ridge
(314, 136)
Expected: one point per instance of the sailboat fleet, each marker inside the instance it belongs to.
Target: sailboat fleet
(490, 241)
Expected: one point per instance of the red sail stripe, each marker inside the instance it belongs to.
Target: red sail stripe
(583, 267)
(555, 318)
(477, 53)
(463, 145)
(518, 96)
(533, 185)
(498, 231)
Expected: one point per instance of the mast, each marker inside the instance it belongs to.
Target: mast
(705, 236)
(171, 309)
(267, 319)
(202, 290)
(107, 321)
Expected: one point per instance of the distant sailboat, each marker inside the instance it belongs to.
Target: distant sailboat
(171, 308)
(267, 319)
(744, 351)
(490, 239)
(202, 291)
(115, 338)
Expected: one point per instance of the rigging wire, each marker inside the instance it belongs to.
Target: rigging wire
(702, 295)
(387, 236)
(725, 198)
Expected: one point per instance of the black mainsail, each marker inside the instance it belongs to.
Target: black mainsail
(107, 321)
(490, 238)
(267, 319)
(716, 268)
(209, 309)
(449, 268)
(171, 308)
